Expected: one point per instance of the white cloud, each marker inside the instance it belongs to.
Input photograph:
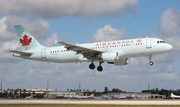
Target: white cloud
(9, 41)
(170, 23)
(4, 34)
(51, 41)
(174, 41)
(38, 28)
(57, 8)
(170, 26)
(163, 72)
(107, 33)
(6, 46)
(8, 37)
(167, 76)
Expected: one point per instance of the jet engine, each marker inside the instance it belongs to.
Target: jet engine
(110, 56)
(121, 61)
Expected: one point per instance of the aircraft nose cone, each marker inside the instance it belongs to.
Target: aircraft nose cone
(169, 47)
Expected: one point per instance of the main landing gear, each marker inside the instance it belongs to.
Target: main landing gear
(150, 61)
(99, 68)
(92, 66)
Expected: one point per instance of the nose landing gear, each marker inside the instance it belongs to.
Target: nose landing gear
(150, 61)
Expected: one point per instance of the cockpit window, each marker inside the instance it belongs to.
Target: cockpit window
(160, 42)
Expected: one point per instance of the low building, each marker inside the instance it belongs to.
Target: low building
(16, 93)
(135, 95)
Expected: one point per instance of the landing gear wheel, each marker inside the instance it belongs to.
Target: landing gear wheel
(151, 63)
(99, 68)
(91, 66)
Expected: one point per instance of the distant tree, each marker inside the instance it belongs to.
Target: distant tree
(178, 91)
(94, 90)
(34, 93)
(116, 90)
(157, 90)
(20, 92)
(106, 90)
(29, 93)
(15, 91)
(39, 96)
(24, 93)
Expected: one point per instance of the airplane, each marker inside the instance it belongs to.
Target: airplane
(174, 96)
(113, 52)
(132, 96)
(84, 97)
(28, 97)
(67, 96)
(119, 97)
(106, 97)
(124, 96)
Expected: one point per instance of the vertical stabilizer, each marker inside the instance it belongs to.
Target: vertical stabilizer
(26, 40)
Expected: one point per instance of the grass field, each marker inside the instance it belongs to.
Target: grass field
(81, 105)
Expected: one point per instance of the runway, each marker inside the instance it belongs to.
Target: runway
(114, 102)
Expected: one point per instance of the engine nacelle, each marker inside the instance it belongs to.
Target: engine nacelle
(121, 61)
(110, 56)
(16, 55)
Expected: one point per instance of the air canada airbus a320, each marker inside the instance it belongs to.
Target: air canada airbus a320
(113, 52)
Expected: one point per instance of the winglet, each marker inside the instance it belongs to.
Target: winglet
(63, 42)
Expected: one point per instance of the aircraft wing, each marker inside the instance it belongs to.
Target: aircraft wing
(87, 52)
(21, 52)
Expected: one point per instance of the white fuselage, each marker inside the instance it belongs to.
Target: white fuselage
(129, 48)
(113, 52)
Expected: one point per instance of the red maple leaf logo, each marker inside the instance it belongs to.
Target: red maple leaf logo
(25, 41)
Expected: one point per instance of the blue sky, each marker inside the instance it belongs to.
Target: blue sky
(139, 24)
(80, 21)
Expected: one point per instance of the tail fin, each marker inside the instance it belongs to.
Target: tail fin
(92, 95)
(26, 40)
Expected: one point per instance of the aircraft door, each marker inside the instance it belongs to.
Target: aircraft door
(148, 43)
(43, 53)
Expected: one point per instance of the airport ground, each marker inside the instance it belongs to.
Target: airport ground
(82, 103)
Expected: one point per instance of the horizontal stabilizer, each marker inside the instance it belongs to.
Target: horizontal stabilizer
(21, 52)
